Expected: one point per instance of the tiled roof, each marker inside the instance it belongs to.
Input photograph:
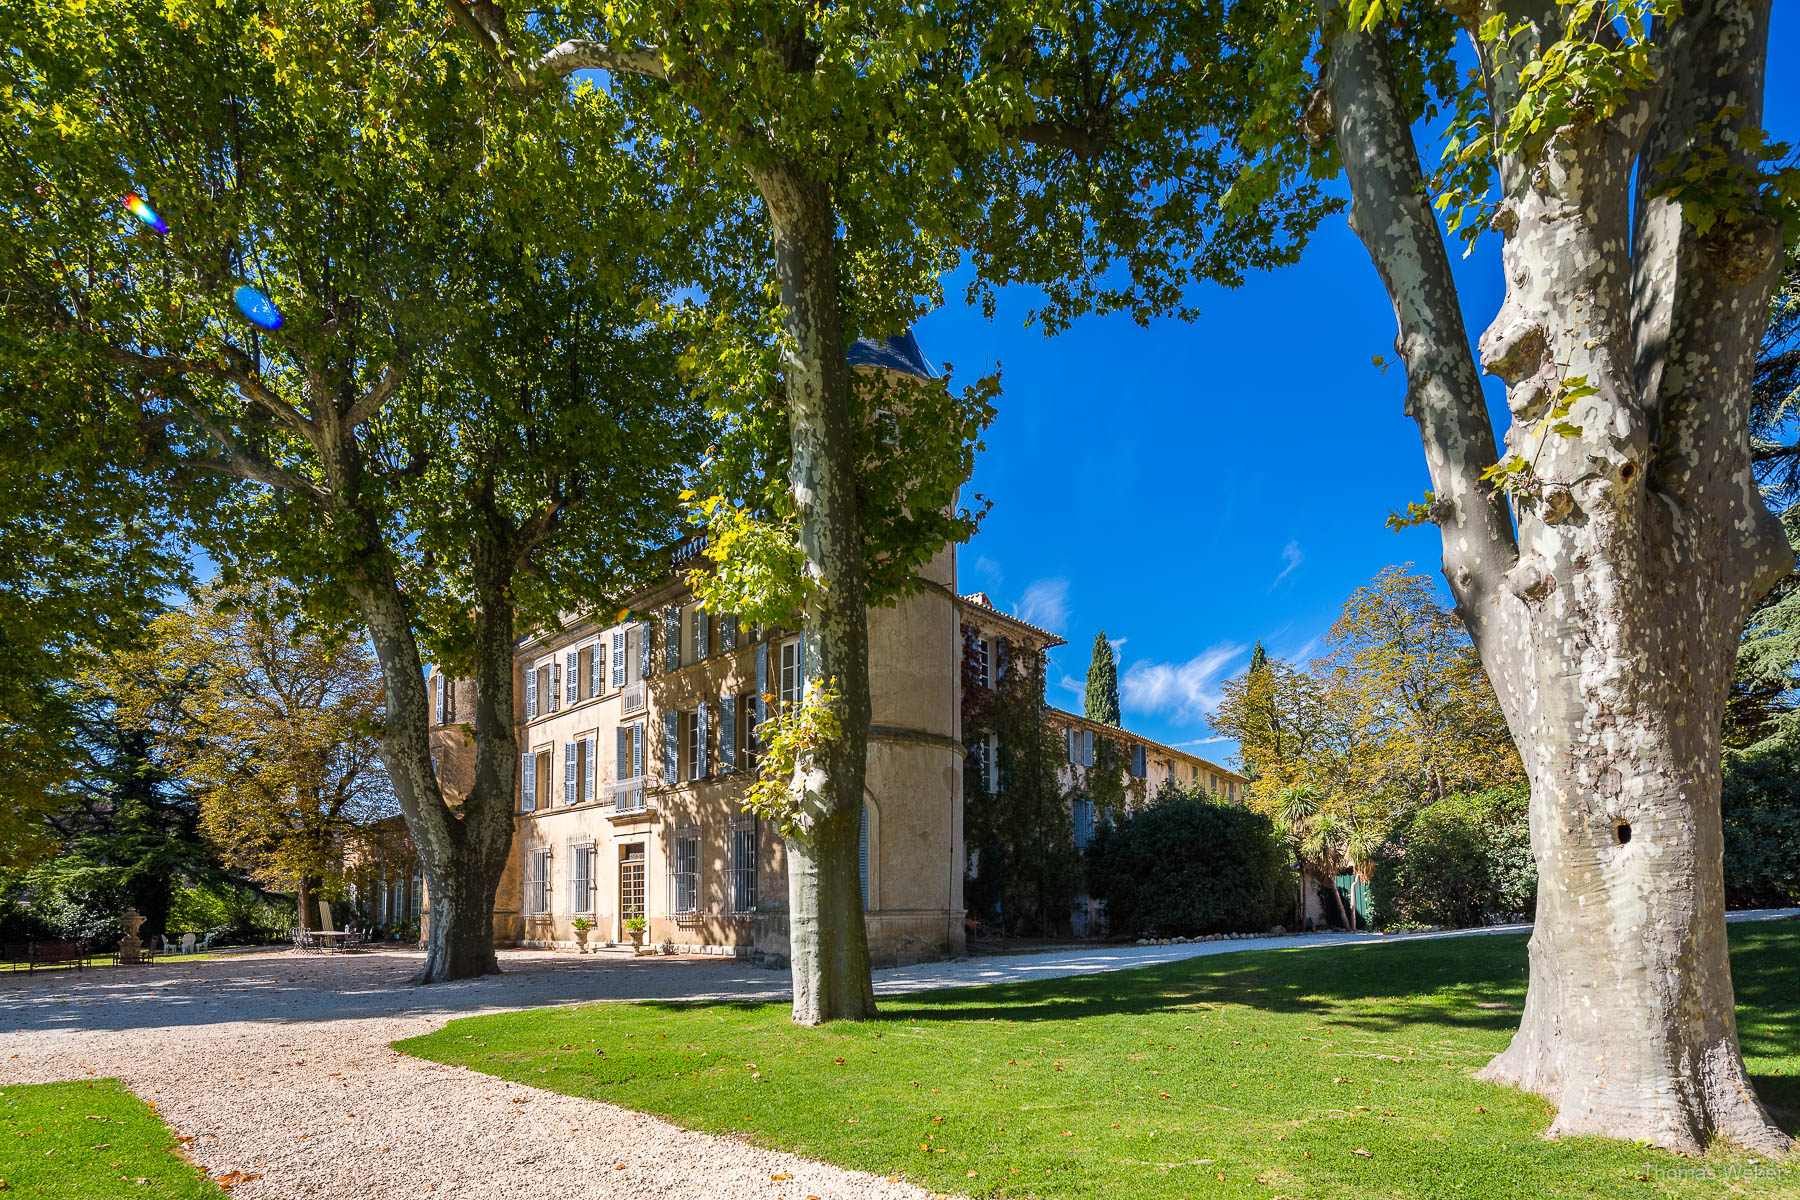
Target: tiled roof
(1079, 719)
(980, 601)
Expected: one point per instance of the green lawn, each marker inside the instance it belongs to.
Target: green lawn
(1338, 1072)
(90, 1141)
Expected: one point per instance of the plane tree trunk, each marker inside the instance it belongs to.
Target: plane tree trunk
(1608, 622)
(828, 939)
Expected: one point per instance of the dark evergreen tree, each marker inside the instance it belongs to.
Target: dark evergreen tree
(1259, 659)
(1103, 683)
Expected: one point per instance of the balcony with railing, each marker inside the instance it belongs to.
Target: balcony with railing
(632, 699)
(629, 798)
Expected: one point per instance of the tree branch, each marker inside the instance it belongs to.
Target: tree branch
(488, 22)
(364, 410)
(1391, 212)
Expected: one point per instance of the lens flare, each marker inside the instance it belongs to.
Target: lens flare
(257, 308)
(144, 212)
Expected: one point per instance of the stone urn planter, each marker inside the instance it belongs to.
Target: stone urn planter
(634, 929)
(582, 927)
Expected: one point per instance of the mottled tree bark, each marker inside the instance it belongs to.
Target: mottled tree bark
(828, 940)
(1609, 623)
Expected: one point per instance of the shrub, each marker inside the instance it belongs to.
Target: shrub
(1188, 865)
(1465, 860)
(1760, 803)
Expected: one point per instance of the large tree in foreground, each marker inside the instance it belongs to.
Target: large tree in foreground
(463, 414)
(1604, 553)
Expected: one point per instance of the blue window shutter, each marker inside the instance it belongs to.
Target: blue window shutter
(1087, 747)
(572, 677)
(596, 669)
(862, 855)
(637, 749)
(728, 633)
(569, 761)
(700, 736)
(440, 699)
(618, 658)
(624, 748)
(727, 734)
(528, 782)
(701, 633)
(762, 682)
(587, 768)
(671, 731)
(530, 691)
(644, 650)
(671, 637)
(550, 701)
(809, 648)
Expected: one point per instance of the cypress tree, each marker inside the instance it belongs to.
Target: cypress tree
(1103, 683)
(1258, 659)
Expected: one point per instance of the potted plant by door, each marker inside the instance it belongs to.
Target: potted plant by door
(581, 925)
(634, 928)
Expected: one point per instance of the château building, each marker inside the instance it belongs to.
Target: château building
(637, 742)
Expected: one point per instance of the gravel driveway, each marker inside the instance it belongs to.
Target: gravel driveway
(278, 1065)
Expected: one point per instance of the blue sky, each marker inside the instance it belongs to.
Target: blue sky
(1190, 488)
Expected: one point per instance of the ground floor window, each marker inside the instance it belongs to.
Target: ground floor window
(743, 866)
(537, 882)
(581, 879)
(684, 880)
(416, 902)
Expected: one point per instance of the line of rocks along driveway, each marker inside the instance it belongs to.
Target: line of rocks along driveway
(279, 1066)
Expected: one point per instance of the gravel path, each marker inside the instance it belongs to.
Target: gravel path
(278, 1065)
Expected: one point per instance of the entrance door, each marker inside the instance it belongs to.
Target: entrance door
(631, 885)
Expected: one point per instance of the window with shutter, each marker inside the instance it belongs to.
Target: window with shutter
(671, 638)
(637, 750)
(762, 681)
(571, 765)
(792, 673)
(862, 855)
(438, 686)
(643, 667)
(702, 633)
(671, 732)
(528, 783)
(572, 676)
(700, 742)
(981, 663)
(585, 673)
(597, 669)
(1087, 747)
(530, 692)
(618, 658)
(1073, 737)
(624, 749)
(728, 632)
(552, 695)
(727, 734)
(1002, 659)
(587, 767)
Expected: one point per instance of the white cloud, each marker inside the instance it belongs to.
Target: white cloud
(990, 570)
(1115, 643)
(1187, 692)
(1045, 604)
(1071, 684)
(1291, 557)
(1206, 741)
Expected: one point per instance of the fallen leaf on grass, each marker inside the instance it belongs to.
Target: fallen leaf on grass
(1364, 1153)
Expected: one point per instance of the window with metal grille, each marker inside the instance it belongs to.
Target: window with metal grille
(982, 663)
(581, 879)
(743, 867)
(684, 880)
(537, 883)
